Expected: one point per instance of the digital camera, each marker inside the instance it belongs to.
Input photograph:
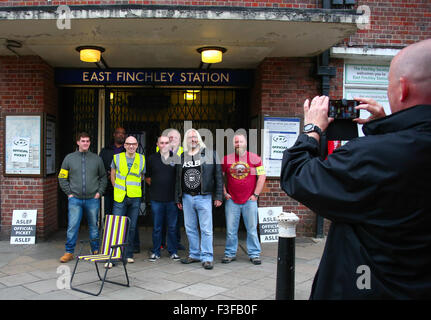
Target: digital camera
(343, 109)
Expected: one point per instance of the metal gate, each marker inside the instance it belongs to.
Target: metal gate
(78, 111)
(154, 110)
(145, 113)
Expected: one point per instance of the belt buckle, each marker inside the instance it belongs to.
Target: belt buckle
(193, 193)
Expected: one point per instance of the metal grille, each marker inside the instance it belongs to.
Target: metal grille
(147, 112)
(80, 114)
(78, 111)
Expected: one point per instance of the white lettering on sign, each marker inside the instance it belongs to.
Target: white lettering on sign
(159, 77)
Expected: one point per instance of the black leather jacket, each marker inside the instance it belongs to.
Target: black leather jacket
(211, 172)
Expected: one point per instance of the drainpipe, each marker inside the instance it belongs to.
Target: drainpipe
(324, 71)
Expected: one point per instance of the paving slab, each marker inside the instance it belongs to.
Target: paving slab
(32, 271)
(202, 290)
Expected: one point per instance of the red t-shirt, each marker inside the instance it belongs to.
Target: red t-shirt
(241, 174)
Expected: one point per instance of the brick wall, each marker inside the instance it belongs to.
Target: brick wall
(303, 4)
(394, 23)
(281, 86)
(27, 86)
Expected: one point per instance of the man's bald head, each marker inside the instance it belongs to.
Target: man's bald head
(410, 77)
(131, 144)
(131, 139)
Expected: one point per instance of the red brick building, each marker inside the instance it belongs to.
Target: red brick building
(279, 52)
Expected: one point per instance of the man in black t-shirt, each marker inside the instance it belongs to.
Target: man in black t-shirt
(160, 176)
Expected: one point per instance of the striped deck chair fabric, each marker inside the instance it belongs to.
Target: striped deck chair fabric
(114, 233)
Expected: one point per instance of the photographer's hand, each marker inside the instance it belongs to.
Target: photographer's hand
(317, 113)
(372, 106)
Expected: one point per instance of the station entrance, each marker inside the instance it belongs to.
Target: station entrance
(145, 113)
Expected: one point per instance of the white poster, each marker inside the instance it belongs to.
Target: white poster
(279, 135)
(23, 145)
(268, 223)
(21, 150)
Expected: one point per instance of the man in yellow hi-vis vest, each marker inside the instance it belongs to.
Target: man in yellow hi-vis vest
(126, 177)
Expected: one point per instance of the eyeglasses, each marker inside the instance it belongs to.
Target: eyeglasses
(130, 144)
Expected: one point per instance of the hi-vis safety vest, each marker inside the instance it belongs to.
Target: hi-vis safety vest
(179, 151)
(128, 182)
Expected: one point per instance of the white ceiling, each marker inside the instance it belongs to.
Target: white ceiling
(166, 43)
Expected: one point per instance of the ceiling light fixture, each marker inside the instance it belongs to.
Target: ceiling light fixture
(211, 54)
(90, 53)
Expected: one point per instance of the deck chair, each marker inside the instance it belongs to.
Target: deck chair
(113, 249)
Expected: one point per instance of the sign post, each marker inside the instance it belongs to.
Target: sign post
(23, 227)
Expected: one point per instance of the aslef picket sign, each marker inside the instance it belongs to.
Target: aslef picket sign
(23, 230)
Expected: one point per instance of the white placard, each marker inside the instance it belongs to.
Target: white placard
(366, 74)
(279, 135)
(23, 229)
(268, 223)
(379, 95)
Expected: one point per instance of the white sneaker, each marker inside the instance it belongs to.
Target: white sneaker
(154, 257)
(108, 265)
(175, 257)
(130, 260)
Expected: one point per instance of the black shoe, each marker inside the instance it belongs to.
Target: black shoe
(256, 261)
(208, 265)
(227, 259)
(189, 260)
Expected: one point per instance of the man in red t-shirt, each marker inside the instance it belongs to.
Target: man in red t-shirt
(244, 180)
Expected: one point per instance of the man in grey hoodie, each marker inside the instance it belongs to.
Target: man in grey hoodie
(83, 179)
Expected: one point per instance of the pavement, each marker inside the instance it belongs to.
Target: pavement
(33, 272)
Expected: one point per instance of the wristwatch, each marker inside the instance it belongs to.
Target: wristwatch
(256, 195)
(310, 127)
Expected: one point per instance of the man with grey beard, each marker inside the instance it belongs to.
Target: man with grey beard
(245, 177)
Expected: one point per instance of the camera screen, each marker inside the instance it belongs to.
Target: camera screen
(343, 109)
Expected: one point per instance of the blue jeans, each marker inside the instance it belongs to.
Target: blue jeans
(109, 204)
(130, 208)
(198, 209)
(180, 221)
(164, 212)
(76, 208)
(249, 214)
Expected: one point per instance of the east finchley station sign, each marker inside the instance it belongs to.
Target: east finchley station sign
(192, 77)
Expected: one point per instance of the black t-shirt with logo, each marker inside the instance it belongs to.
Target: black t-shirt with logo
(191, 179)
